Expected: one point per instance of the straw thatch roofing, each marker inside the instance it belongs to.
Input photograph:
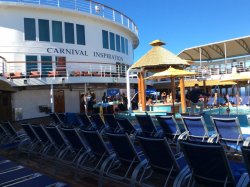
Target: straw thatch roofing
(4, 86)
(171, 72)
(159, 56)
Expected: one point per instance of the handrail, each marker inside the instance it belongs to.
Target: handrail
(87, 6)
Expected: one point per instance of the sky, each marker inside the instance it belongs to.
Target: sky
(184, 23)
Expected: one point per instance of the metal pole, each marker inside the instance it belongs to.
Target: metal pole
(200, 56)
(52, 97)
(225, 51)
(128, 90)
(225, 59)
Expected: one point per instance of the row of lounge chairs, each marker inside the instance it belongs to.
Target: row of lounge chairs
(113, 148)
(14, 174)
(150, 149)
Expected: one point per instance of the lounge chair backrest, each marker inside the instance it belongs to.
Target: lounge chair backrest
(146, 124)
(9, 128)
(74, 139)
(95, 142)
(126, 125)
(41, 133)
(62, 118)
(72, 119)
(28, 130)
(85, 120)
(168, 124)
(195, 125)
(96, 118)
(2, 131)
(158, 153)
(55, 117)
(56, 135)
(111, 122)
(228, 128)
(208, 162)
(123, 148)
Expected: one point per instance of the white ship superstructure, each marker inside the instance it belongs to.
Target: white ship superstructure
(69, 46)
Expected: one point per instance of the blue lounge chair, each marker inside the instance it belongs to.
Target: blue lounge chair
(169, 126)
(7, 165)
(195, 127)
(14, 175)
(99, 151)
(208, 165)
(33, 143)
(98, 122)
(228, 132)
(56, 119)
(147, 125)
(126, 126)
(160, 161)
(84, 119)
(60, 144)
(78, 147)
(244, 180)
(46, 142)
(12, 134)
(123, 164)
(111, 123)
(37, 180)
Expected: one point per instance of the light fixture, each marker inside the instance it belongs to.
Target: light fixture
(25, 81)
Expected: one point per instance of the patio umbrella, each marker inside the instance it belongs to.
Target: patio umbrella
(173, 73)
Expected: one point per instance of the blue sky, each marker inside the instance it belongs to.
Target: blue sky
(182, 23)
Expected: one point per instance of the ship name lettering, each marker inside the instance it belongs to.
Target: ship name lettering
(67, 51)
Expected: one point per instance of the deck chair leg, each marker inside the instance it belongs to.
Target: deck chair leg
(102, 170)
(136, 172)
(182, 177)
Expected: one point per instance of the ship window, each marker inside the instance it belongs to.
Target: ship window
(126, 46)
(118, 43)
(80, 33)
(30, 29)
(112, 40)
(43, 30)
(122, 45)
(31, 64)
(57, 31)
(46, 63)
(105, 39)
(69, 33)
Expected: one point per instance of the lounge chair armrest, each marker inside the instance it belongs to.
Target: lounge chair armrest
(183, 135)
(212, 138)
(246, 142)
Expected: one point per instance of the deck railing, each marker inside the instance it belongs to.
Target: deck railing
(70, 69)
(85, 6)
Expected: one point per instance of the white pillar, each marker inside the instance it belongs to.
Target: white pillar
(128, 90)
(52, 97)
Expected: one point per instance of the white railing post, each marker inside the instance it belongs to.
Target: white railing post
(113, 15)
(128, 91)
(90, 7)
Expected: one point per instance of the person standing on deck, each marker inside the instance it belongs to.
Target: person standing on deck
(196, 98)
